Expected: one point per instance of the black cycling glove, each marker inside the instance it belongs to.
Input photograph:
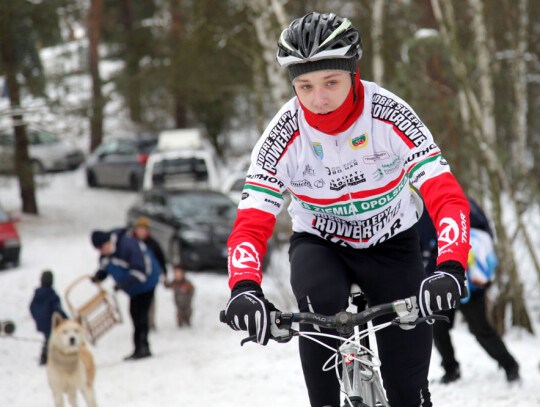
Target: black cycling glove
(99, 276)
(442, 290)
(248, 310)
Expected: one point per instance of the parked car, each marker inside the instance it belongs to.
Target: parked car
(119, 162)
(233, 185)
(10, 242)
(46, 150)
(183, 158)
(192, 226)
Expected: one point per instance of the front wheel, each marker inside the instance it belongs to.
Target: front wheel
(91, 179)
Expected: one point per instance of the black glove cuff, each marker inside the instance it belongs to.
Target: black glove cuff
(452, 267)
(246, 285)
(100, 275)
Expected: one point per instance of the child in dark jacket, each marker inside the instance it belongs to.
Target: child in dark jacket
(183, 295)
(44, 303)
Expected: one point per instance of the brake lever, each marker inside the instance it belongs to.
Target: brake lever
(252, 338)
(420, 320)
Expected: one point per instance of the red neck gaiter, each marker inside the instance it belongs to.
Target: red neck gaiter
(343, 117)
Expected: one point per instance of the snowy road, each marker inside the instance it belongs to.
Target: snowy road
(199, 366)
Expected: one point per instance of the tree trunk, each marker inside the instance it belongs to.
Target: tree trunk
(480, 117)
(180, 118)
(377, 17)
(23, 168)
(263, 12)
(133, 90)
(177, 32)
(94, 34)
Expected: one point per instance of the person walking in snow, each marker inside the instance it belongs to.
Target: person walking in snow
(183, 295)
(481, 264)
(141, 231)
(43, 305)
(135, 271)
(347, 149)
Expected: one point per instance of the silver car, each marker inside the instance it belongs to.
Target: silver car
(46, 150)
(119, 162)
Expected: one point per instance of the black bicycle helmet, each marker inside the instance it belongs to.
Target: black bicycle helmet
(317, 42)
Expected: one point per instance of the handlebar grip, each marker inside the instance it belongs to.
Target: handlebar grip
(222, 316)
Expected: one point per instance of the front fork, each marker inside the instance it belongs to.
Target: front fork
(359, 380)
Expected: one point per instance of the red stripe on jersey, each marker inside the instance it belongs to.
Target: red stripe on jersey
(406, 139)
(294, 136)
(355, 195)
(263, 186)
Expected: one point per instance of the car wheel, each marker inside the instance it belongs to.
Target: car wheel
(37, 167)
(91, 179)
(134, 183)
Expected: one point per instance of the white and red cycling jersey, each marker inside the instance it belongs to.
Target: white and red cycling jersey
(352, 188)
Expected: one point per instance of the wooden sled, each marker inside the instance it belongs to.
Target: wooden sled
(99, 314)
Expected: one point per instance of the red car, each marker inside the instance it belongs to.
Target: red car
(10, 242)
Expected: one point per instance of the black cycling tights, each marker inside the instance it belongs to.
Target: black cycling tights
(321, 277)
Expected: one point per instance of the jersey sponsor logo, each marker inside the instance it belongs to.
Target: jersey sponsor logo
(449, 233)
(277, 141)
(338, 170)
(317, 148)
(421, 153)
(464, 234)
(301, 183)
(378, 174)
(405, 122)
(266, 178)
(244, 256)
(245, 195)
(357, 142)
(309, 171)
(418, 177)
(319, 183)
(392, 167)
(355, 178)
(379, 155)
(272, 202)
(357, 206)
(362, 230)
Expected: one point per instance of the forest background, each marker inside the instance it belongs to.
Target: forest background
(470, 68)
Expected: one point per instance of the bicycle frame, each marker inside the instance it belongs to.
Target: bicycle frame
(360, 380)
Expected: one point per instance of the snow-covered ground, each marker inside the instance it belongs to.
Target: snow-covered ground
(203, 365)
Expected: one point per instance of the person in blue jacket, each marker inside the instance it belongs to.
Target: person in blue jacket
(44, 303)
(135, 271)
(481, 264)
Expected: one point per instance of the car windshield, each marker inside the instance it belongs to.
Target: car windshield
(45, 137)
(146, 146)
(202, 207)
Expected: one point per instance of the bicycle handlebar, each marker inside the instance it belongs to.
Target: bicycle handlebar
(344, 322)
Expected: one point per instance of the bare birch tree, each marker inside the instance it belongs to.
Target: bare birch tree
(269, 18)
(94, 35)
(377, 16)
(481, 121)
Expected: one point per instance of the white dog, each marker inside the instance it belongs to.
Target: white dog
(70, 365)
